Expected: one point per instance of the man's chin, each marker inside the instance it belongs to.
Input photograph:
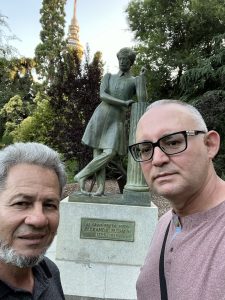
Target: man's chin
(22, 261)
(11, 256)
(166, 192)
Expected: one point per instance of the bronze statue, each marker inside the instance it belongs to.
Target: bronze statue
(105, 132)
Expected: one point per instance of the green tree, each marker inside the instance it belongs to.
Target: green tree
(48, 52)
(12, 112)
(204, 86)
(74, 96)
(16, 78)
(38, 124)
(172, 35)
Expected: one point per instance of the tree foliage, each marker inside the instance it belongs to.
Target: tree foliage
(74, 95)
(52, 43)
(16, 79)
(38, 124)
(172, 35)
(208, 74)
(12, 112)
(204, 86)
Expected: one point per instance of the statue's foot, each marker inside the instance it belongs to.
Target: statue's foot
(99, 192)
(81, 182)
(76, 178)
(83, 192)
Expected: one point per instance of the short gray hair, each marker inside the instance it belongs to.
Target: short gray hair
(195, 113)
(34, 154)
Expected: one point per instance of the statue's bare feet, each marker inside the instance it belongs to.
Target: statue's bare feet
(99, 192)
(83, 192)
(81, 182)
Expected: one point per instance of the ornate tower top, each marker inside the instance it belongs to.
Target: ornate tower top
(73, 34)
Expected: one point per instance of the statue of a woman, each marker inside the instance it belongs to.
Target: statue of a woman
(105, 132)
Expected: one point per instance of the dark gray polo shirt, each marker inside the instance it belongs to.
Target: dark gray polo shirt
(47, 285)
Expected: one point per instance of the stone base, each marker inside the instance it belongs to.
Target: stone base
(93, 268)
(129, 197)
(98, 281)
(137, 198)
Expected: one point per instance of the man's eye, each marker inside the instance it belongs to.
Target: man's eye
(173, 143)
(145, 149)
(51, 206)
(21, 204)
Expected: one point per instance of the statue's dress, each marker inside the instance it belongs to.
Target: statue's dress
(106, 128)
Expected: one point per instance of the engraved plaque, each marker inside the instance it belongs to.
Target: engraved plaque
(102, 229)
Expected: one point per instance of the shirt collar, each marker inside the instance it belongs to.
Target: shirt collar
(120, 73)
(41, 268)
(195, 219)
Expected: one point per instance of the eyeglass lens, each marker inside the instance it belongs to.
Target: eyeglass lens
(170, 144)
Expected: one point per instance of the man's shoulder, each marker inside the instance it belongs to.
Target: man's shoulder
(165, 219)
(48, 266)
(161, 227)
(48, 281)
(50, 263)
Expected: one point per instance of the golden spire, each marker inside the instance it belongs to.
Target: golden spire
(73, 34)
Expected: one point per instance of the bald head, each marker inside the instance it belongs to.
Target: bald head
(170, 116)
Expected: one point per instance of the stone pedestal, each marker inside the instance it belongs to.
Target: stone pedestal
(136, 187)
(101, 246)
(135, 178)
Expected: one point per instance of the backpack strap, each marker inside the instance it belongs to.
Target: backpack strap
(162, 279)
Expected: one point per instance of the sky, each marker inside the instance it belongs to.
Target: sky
(103, 26)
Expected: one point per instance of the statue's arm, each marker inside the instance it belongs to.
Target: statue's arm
(114, 101)
(106, 97)
(141, 86)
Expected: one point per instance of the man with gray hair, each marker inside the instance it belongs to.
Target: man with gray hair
(186, 255)
(32, 178)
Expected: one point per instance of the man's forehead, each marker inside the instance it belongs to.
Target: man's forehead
(164, 119)
(159, 112)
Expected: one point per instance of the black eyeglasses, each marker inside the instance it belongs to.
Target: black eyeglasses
(170, 144)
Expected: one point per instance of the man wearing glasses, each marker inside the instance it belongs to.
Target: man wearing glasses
(186, 256)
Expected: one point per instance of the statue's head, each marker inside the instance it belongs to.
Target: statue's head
(126, 57)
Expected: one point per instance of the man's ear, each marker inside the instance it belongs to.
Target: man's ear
(212, 141)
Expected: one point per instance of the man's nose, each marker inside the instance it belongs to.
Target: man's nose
(37, 217)
(159, 157)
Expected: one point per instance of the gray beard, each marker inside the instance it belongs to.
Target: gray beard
(9, 256)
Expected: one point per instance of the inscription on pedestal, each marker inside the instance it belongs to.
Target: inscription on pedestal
(102, 229)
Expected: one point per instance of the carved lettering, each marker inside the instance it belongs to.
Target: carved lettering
(103, 229)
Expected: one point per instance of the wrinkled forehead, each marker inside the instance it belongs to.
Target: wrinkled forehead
(164, 119)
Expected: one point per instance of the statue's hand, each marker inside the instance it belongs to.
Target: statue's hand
(143, 71)
(129, 102)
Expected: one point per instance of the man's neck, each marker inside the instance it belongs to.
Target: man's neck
(206, 198)
(17, 277)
